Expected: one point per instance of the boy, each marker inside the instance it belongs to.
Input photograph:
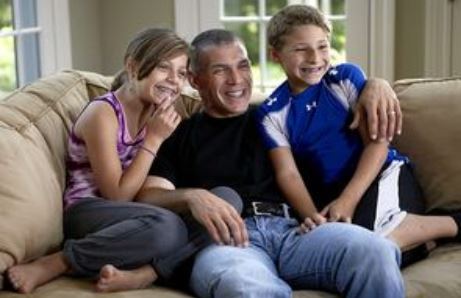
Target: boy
(304, 124)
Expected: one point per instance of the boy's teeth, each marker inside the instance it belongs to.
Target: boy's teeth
(235, 93)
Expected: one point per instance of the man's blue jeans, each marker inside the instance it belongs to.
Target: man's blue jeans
(335, 257)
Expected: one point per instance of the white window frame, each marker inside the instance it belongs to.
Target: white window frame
(55, 42)
(369, 30)
(53, 31)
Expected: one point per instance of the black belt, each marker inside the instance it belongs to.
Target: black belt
(269, 208)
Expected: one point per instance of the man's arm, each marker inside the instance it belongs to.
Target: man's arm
(382, 109)
(221, 220)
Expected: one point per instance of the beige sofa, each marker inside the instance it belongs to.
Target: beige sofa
(34, 124)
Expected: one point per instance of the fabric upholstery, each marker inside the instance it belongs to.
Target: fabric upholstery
(432, 137)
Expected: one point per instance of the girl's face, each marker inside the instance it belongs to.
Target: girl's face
(164, 82)
(304, 56)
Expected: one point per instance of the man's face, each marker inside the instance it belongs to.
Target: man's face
(224, 80)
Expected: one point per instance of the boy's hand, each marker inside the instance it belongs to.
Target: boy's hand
(311, 222)
(339, 210)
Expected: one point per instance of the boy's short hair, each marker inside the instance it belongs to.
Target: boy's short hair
(289, 17)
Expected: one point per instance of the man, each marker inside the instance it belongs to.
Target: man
(261, 255)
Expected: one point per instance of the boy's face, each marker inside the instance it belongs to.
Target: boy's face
(304, 56)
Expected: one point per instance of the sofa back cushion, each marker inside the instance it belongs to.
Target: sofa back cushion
(34, 125)
(432, 137)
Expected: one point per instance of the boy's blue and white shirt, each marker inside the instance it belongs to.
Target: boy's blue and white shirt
(315, 123)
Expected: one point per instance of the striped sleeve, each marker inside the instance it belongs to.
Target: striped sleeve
(272, 125)
(347, 82)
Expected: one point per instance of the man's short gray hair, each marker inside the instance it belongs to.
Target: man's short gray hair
(213, 37)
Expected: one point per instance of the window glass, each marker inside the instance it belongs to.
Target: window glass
(272, 6)
(244, 18)
(241, 8)
(7, 58)
(337, 7)
(19, 44)
(248, 32)
(338, 42)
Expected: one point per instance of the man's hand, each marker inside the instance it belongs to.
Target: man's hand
(220, 219)
(382, 108)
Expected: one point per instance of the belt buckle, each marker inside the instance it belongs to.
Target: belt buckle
(286, 211)
(256, 211)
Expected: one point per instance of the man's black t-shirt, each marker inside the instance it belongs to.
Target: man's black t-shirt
(205, 152)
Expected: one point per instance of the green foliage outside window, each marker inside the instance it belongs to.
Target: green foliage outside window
(7, 59)
(249, 32)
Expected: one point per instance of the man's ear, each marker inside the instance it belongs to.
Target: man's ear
(193, 79)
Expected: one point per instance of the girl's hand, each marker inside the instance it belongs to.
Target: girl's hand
(164, 120)
(339, 210)
(311, 222)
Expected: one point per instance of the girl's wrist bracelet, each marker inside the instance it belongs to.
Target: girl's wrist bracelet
(148, 150)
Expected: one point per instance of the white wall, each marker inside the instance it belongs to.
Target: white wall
(101, 29)
(86, 34)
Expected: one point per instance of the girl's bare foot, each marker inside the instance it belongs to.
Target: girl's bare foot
(112, 279)
(26, 277)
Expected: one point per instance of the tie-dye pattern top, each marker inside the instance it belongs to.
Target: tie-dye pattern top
(80, 179)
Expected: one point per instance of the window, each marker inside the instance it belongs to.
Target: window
(363, 30)
(249, 18)
(34, 40)
(19, 37)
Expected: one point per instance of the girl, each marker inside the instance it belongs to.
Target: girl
(111, 148)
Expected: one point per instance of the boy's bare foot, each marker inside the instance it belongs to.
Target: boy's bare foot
(112, 279)
(26, 277)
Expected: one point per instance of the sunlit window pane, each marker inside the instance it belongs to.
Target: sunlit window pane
(7, 58)
(241, 8)
(7, 66)
(338, 42)
(6, 17)
(337, 7)
(19, 44)
(275, 75)
(266, 73)
(272, 6)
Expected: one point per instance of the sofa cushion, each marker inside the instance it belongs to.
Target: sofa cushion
(34, 125)
(432, 137)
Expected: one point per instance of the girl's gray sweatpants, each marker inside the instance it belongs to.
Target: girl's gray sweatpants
(129, 235)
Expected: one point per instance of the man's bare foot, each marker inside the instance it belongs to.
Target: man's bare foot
(112, 279)
(26, 277)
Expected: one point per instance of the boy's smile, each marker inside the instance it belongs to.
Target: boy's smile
(304, 56)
